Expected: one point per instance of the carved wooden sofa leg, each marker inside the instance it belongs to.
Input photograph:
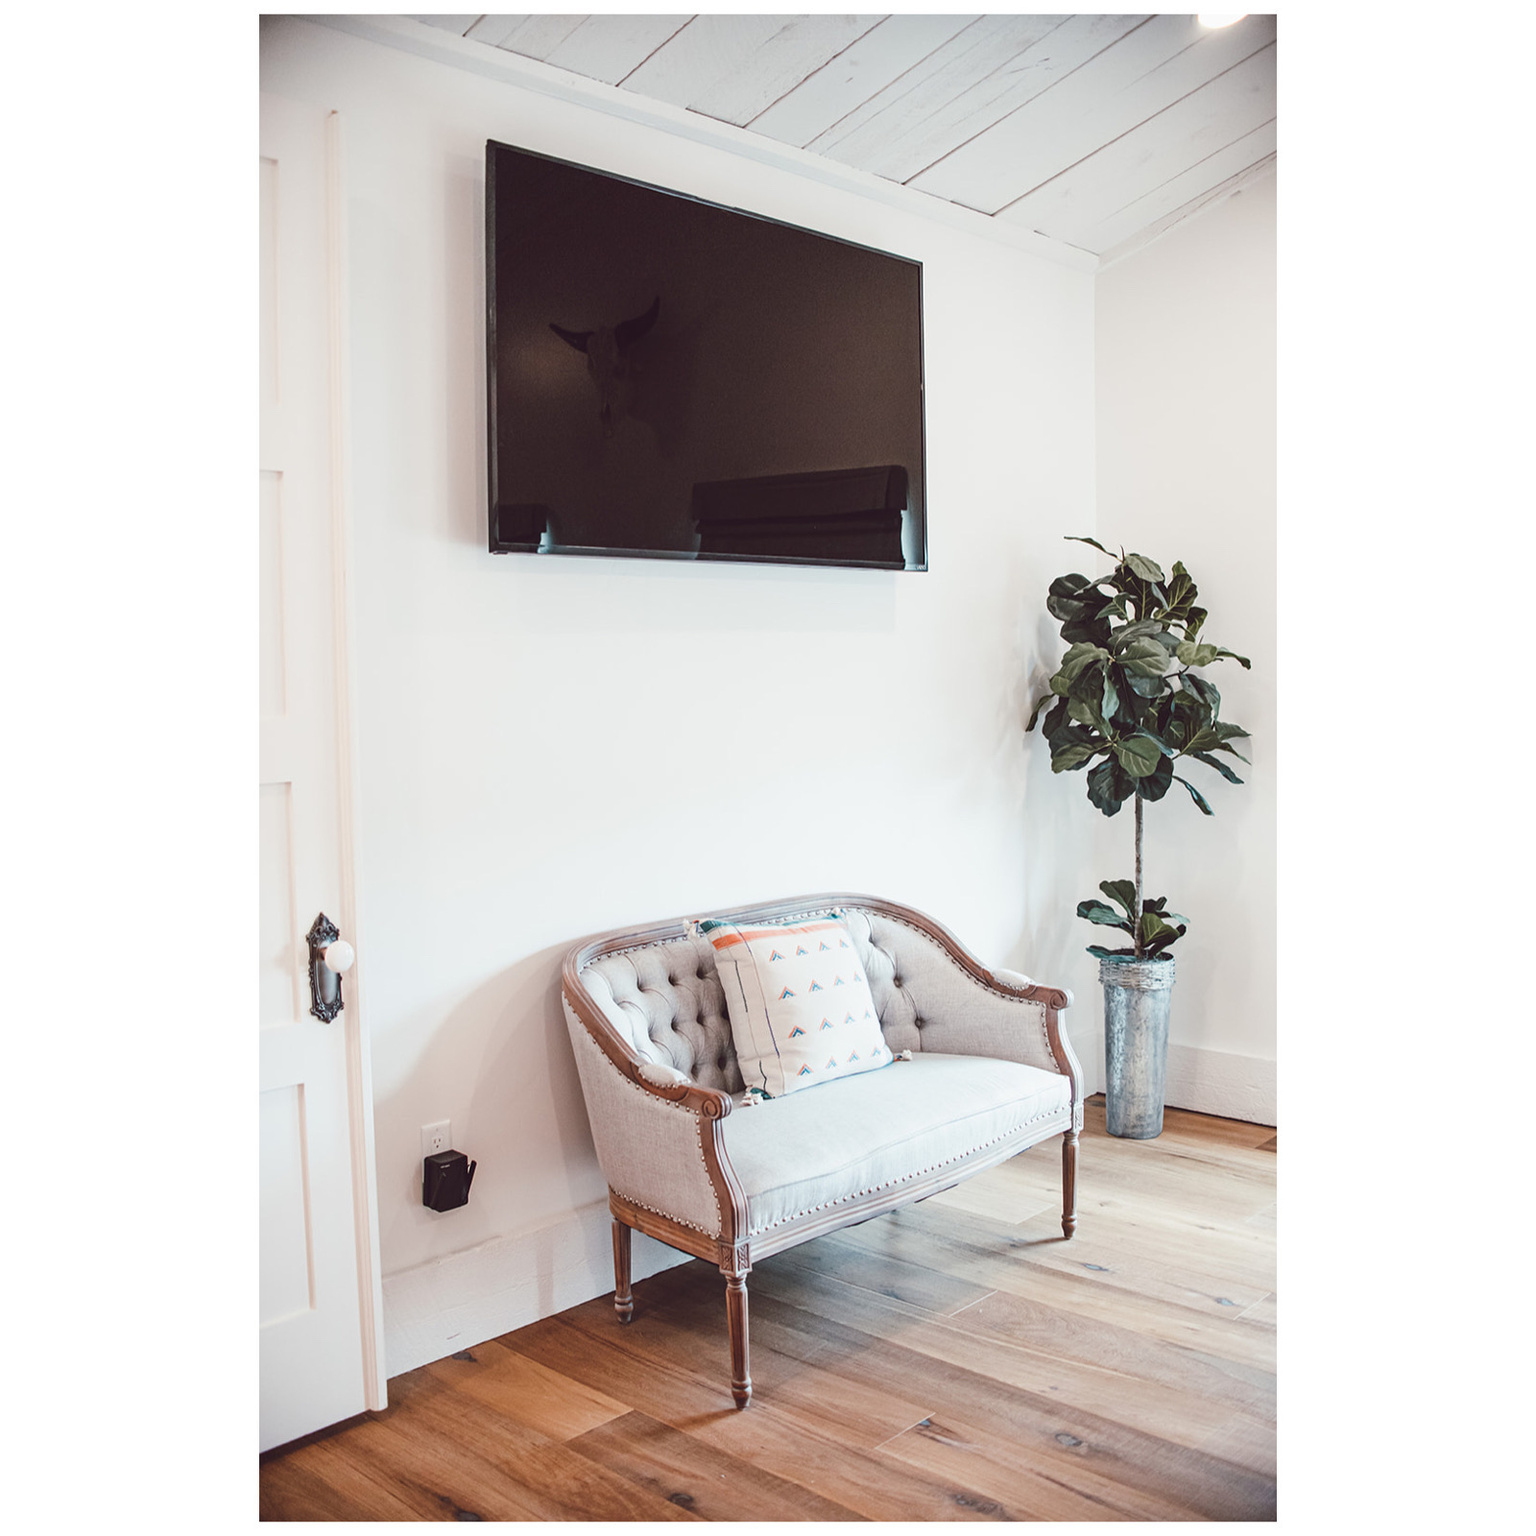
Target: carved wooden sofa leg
(736, 1315)
(1069, 1184)
(623, 1302)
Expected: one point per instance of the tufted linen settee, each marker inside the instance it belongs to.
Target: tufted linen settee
(991, 1073)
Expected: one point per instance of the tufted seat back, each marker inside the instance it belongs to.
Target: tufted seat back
(667, 1004)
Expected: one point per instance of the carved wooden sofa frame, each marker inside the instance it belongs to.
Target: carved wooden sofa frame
(651, 1099)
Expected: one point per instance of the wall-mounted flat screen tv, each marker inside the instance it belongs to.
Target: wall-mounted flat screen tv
(680, 380)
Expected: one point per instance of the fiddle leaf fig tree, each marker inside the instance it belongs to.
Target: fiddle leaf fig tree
(1128, 702)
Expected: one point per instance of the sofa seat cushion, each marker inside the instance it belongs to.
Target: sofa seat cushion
(828, 1146)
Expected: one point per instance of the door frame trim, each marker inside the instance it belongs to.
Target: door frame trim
(365, 1205)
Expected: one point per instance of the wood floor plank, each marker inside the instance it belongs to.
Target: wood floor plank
(308, 1485)
(854, 1375)
(1183, 1136)
(1187, 1256)
(797, 1448)
(698, 1476)
(1020, 1321)
(1024, 1259)
(1210, 1130)
(1110, 1251)
(1200, 1317)
(1001, 1467)
(953, 1360)
(862, 1481)
(943, 1450)
(671, 1390)
(1156, 1406)
(525, 1391)
(1167, 1184)
(430, 1486)
(1247, 1444)
(438, 1450)
(999, 1201)
(1260, 1315)
(920, 1286)
(801, 1388)
(1051, 1431)
(666, 1332)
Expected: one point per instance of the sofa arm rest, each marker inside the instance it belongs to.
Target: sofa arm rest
(944, 999)
(656, 1142)
(1055, 1000)
(1012, 1021)
(1017, 981)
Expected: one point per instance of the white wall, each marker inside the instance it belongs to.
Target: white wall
(1185, 385)
(543, 751)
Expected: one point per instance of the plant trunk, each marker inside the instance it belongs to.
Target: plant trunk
(1136, 920)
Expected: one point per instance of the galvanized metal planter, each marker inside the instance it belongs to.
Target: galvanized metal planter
(1137, 997)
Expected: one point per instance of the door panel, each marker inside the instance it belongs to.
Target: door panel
(320, 1354)
(287, 1279)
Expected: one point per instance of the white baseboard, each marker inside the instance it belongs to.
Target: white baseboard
(1221, 1083)
(463, 1299)
(1208, 1082)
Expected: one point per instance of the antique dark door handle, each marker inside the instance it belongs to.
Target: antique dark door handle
(329, 956)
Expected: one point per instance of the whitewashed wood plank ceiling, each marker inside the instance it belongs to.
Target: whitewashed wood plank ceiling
(1099, 132)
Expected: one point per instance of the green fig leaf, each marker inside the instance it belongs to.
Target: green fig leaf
(1090, 631)
(1142, 629)
(1203, 690)
(1080, 538)
(1078, 657)
(1073, 596)
(1109, 786)
(1144, 658)
(1138, 755)
(1196, 796)
(1181, 595)
(1193, 654)
(1155, 785)
(1071, 757)
(1097, 912)
(1218, 765)
(1152, 949)
(1148, 570)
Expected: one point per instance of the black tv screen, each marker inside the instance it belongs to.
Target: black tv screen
(680, 380)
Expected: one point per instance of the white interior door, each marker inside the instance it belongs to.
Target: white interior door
(321, 1329)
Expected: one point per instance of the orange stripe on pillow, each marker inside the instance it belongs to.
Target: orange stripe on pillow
(724, 940)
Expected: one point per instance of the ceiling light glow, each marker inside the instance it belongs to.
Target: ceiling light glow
(1218, 21)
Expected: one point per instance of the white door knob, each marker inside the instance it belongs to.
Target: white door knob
(338, 956)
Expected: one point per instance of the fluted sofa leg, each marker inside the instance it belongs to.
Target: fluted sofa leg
(736, 1315)
(623, 1302)
(1069, 1184)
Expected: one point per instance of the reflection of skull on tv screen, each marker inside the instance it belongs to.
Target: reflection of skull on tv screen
(609, 364)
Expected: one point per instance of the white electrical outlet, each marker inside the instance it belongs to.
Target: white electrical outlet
(436, 1138)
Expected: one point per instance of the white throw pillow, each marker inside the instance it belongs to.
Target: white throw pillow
(800, 1009)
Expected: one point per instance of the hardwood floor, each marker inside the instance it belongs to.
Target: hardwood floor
(953, 1361)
